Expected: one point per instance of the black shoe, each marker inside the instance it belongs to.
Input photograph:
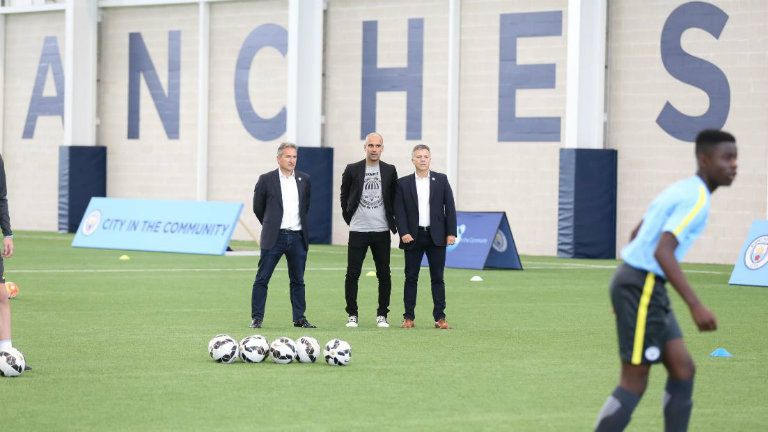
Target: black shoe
(27, 368)
(256, 323)
(303, 323)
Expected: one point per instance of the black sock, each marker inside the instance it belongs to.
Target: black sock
(615, 414)
(677, 405)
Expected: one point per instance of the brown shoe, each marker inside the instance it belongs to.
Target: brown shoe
(407, 323)
(442, 324)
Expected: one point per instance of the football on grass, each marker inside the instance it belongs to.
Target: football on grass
(253, 349)
(308, 349)
(11, 362)
(337, 352)
(282, 350)
(223, 349)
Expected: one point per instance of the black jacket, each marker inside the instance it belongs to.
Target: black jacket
(5, 219)
(268, 206)
(352, 189)
(442, 209)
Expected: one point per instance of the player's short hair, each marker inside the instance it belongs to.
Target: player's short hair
(374, 134)
(284, 146)
(707, 139)
(420, 147)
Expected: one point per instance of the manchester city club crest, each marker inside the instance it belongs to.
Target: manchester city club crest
(91, 222)
(500, 242)
(756, 255)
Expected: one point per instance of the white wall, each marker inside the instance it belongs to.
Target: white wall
(520, 178)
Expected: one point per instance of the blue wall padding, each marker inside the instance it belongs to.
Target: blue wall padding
(82, 175)
(586, 226)
(318, 163)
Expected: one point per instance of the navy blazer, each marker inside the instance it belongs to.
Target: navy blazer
(268, 206)
(442, 209)
(352, 190)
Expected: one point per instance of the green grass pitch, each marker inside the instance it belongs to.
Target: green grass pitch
(121, 345)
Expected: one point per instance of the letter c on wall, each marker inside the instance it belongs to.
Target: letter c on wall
(265, 35)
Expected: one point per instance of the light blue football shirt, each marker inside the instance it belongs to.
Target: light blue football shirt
(682, 209)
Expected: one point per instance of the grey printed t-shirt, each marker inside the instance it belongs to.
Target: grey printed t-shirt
(370, 215)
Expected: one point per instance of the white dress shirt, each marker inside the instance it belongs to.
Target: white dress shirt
(290, 194)
(422, 192)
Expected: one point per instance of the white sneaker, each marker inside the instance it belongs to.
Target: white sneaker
(381, 321)
(352, 321)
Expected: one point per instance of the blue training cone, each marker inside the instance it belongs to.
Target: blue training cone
(720, 352)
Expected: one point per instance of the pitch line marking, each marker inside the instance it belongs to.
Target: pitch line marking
(535, 266)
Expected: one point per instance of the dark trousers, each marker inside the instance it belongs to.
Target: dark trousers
(290, 244)
(358, 245)
(436, 258)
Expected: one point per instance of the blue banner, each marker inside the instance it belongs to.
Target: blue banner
(201, 227)
(752, 264)
(484, 240)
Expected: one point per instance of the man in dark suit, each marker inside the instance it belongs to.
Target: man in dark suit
(367, 201)
(281, 203)
(426, 220)
(6, 251)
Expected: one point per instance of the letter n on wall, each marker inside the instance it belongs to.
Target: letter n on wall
(167, 104)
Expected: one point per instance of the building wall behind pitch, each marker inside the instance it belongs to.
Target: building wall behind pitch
(235, 158)
(343, 86)
(31, 165)
(649, 158)
(152, 166)
(520, 178)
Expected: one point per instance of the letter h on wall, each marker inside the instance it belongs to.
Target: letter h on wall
(395, 79)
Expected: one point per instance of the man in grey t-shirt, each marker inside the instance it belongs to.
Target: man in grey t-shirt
(367, 193)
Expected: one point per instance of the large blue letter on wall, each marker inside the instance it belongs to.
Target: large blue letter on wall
(513, 76)
(40, 105)
(408, 79)
(694, 71)
(265, 35)
(139, 63)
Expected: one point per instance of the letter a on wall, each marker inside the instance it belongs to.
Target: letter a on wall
(40, 105)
